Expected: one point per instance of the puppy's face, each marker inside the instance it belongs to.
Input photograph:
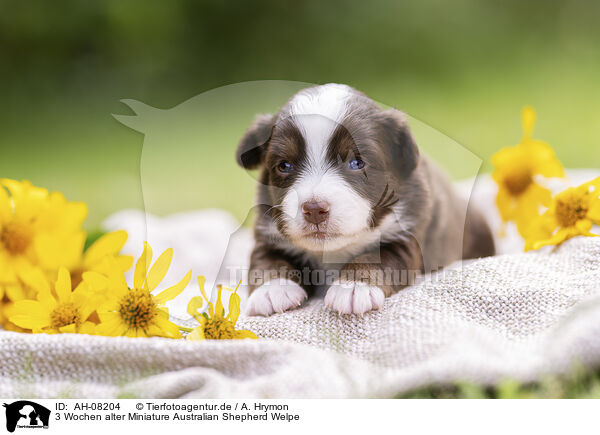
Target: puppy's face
(331, 163)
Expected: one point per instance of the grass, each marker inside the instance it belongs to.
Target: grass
(579, 384)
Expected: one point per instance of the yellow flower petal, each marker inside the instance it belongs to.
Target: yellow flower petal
(198, 333)
(219, 310)
(560, 236)
(134, 333)
(201, 282)
(234, 306)
(173, 291)
(538, 195)
(34, 278)
(85, 300)
(141, 267)
(594, 212)
(69, 329)
(159, 269)
(195, 306)
(30, 315)
(167, 328)
(46, 299)
(584, 226)
(55, 250)
(14, 292)
(111, 325)
(33, 308)
(154, 331)
(118, 284)
(244, 334)
(108, 244)
(28, 200)
(63, 285)
(527, 210)
(504, 203)
(75, 213)
(541, 228)
(96, 281)
(528, 117)
(63, 216)
(87, 328)
(544, 161)
(124, 262)
(5, 206)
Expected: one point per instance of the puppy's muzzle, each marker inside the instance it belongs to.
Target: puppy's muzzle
(315, 212)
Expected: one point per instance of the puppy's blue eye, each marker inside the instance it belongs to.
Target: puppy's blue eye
(285, 167)
(356, 164)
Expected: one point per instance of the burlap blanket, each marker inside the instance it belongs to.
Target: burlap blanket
(517, 315)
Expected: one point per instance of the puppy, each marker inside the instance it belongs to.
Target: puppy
(345, 195)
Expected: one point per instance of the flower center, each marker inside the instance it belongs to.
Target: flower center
(137, 309)
(518, 181)
(16, 237)
(220, 329)
(570, 209)
(64, 315)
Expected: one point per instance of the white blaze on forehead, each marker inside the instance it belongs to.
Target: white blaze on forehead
(317, 112)
(326, 100)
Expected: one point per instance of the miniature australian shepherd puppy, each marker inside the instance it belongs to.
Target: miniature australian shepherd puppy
(345, 192)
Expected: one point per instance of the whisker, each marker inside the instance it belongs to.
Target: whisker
(271, 208)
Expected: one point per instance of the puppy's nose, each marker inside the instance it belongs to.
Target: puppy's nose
(315, 211)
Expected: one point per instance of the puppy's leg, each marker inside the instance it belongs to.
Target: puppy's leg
(274, 284)
(370, 278)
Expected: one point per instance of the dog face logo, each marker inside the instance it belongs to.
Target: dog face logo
(26, 414)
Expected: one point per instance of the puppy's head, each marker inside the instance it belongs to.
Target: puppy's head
(332, 165)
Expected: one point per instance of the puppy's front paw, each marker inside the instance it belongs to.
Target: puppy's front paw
(354, 297)
(275, 296)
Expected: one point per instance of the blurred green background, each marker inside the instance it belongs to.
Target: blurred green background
(464, 67)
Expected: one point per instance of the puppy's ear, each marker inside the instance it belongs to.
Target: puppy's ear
(253, 144)
(404, 151)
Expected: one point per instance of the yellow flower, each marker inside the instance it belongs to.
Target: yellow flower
(215, 325)
(573, 212)
(108, 245)
(68, 312)
(37, 229)
(14, 292)
(136, 312)
(515, 168)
